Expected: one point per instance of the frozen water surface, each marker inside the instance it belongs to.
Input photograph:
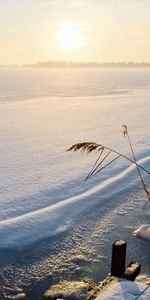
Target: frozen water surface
(53, 224)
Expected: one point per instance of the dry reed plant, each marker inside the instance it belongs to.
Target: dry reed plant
(104, 153)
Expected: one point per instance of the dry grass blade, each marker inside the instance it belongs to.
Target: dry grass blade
(85, 147)
(90, 146)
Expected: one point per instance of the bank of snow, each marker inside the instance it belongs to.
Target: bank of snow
(124, 290)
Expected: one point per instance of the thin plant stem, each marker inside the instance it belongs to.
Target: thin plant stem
(108, 164)
(129, 159)
(98, 165)
(137, 297)
(140, 175)
(134, 157)
(95, 164)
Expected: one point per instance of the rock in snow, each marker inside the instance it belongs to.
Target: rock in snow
(111, 288)
(73, 290)
(143, 232)
(20, 296)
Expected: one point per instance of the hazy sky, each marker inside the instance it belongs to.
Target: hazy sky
(108, 30)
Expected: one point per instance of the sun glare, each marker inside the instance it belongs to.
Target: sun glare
(69, 35)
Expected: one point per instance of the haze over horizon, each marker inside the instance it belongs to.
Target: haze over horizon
(63, 30)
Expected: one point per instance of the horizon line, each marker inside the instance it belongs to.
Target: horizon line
(63, 63)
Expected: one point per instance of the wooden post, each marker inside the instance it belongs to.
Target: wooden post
(132, 271)
(118, 258)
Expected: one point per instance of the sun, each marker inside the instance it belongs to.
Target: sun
(68, 35)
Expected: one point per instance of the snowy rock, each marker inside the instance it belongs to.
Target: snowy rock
(20, 296)
(143, 232)
(144, 278)
(15, 290)
(71, 290)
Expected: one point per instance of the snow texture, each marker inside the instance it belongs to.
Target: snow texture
(42, 187)
(125, 290)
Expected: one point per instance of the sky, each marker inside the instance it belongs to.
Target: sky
(96, 30)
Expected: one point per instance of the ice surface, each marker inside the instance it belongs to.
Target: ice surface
(42, 186)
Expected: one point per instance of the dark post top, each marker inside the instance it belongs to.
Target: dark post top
(118, 258)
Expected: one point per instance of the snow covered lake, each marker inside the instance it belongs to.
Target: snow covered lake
(53, 224)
